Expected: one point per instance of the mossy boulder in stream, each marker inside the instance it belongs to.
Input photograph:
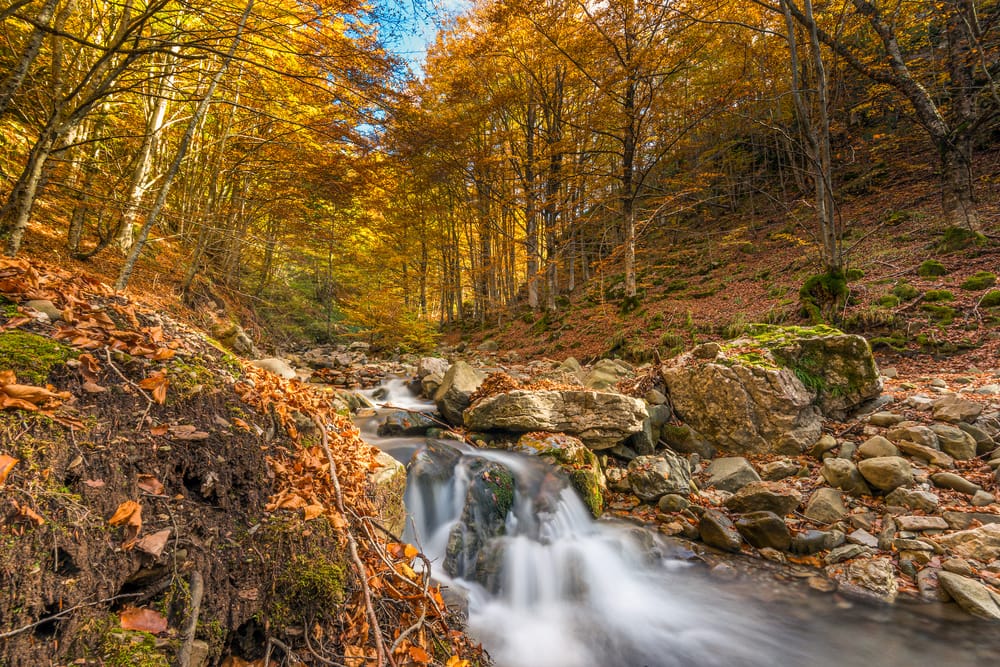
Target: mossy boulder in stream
(570, 454)
(767, 392)
(472, 551)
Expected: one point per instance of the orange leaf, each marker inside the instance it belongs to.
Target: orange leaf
(310, 512)
(159, 430)
(150, 485)
(7, 377)
(156, 383)
(418, 654)
(143, 620)
(410, 551)
(163, 353)
(124, 513)
(93, 387)
(455, 661)
(6, 464)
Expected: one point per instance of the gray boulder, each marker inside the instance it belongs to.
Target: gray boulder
(600, 420)
(844, 475)
(955, 442)
(887, 472)
(431, 366)
(764, 497)
(731, 473)
(651, 477)
(955, 409)
(457, 386)
(826, 506)
(717, 530)
(971, 595)
(913, 499)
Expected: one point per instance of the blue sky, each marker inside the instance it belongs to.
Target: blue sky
(423, 24)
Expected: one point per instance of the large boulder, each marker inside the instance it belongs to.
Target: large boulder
(431, 366)
(767, 393)
(455, 392)
(388, 482)
(575, 458)
(652, 477)
(279, 367)
(601, 420)
(605, 374)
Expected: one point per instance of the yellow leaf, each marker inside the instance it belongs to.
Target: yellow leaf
(310, 512)
(6, 464)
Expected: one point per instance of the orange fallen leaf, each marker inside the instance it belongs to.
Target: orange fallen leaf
(7, 463)
(124, 512)
(310, 512)
(418, 654)
(150, 485)
(154, 544)
(455, 661)
(161, 429)
(156, 383)
(241, 424)
(8, 377)
(143, 620)
(94, 483)
(93, 387)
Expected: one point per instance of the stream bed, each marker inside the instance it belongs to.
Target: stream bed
(545, 585)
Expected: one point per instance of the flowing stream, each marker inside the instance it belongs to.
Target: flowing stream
(547, 586)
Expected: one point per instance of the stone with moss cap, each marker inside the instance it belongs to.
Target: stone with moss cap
(570, 454)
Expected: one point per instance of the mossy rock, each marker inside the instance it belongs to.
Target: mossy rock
(575, 458)
(823, 295)
(931, 268)
(905, 291)
(935, 295)
(32, 357)
(980, 280)
(311, 586)
(888, 301)
(959, 238)
(991, 299)
(943, 315)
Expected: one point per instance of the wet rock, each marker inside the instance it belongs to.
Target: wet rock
(574, 458)
(846, 552)
(780, 469)
(982, 543)
(457, 387)
(673, 502)
(682, 438)
(955, 409)
(764, 497)
(402, 424)
(877, 446)
(844, 475)
(826, 506)
(884, 419)
(811, 541)
(921, 435)
(651, 477)
(874, 578)
(279, 367)
(489, 498)
(388, 480)
(929, 454)
(982, 499)
(971, 595)
(948, 480)
(432, 366)
(764, 530)
(886, 472)
(731, 473)
(717, 530)
(921, 523)
(912, 499)
(955, 442)
(864, 538)
(601, 420)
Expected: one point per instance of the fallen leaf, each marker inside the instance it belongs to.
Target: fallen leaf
(7, 463)
(418, 654)
(8, 377)
(156, 383)
(455, 661)
(310, 512)
(143, 620)
(150, 485)
(154, 544)
(93, 387)
(161, 429)
(338, 520)
(94, 483)
(241, 424)
(130, 514)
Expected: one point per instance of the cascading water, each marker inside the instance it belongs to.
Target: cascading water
(547, 586)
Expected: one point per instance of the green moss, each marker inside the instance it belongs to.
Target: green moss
(311, 586)
(981, 280)
(936, 295)
(991, 299)
(585, 482)
(105, 640)
(943, 315)
(822, 295)
(905, 291)
(854, 274)
(32, 357)
(931, 268)
(895, 341)
(501, 485)
(959, 238)
(888, 301)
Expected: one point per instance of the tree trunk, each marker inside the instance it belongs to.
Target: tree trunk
(14, 79)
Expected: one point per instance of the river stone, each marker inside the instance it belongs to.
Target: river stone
(810, 541)
(954, 441)
(921, 523)
(917, 433)
(617, 480)
(644, 441)
(875, 447)
(886, 472)
(780, 469)
(913, 499)
(682, 438)
(846, 552)
(971, 595)
(874, 578)
(933, 456)
(764, 497)
(826, 506)
(651, 477)
(279, 367)
(402, 423)
(948, 480)
(741, 407)
(731, 473)
(429, 385)
(457, 387)
(982, 499)
(601, 420)
(45, 306)
(572, 456)
(606, 373)
(489, 497)
(673, 502)
(955, 409)
(388, 480)
(844, 475)
(885, 419)
(432, 366)
(982, 543)
(717, 530)
(984, 443)
(764, 530)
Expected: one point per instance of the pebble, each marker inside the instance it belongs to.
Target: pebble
(948, 480)
(921, 523)
(825, 506)
(846, 552)
(777, 470)
(864, 538)
(844, 475)
(982, 499)
(885, 419)
(810, 541)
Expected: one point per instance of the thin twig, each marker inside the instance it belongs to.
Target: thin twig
(353, 546)
(66, 612)
(142, 392)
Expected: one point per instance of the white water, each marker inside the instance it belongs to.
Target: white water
(572, 592)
